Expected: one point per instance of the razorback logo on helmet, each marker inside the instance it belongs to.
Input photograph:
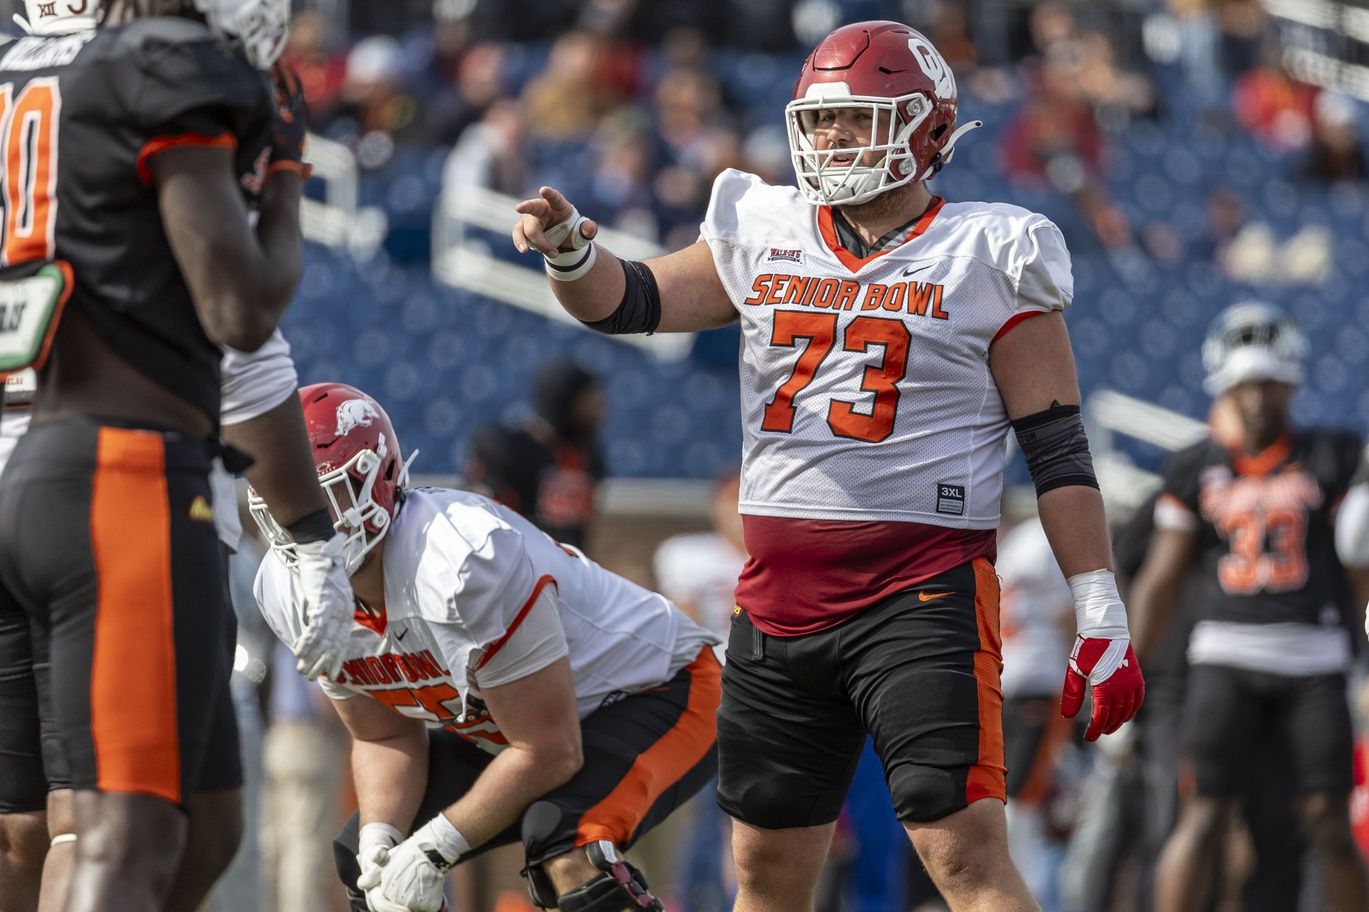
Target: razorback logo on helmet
(354, 413)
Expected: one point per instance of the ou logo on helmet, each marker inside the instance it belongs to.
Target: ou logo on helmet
(354, 413)
(934, 65)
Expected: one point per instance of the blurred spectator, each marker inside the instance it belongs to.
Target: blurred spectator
(570, 95)
(1336, 152)
(320, 65)
(376, 108)
(1243, 25)
(1275, 108)
(1248, 251)
(490, 154)
(1054, 138)
(549, 469)
(625, 161)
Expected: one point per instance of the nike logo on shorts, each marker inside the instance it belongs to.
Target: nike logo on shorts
(925, 597)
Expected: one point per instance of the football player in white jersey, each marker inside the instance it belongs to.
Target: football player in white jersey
(497, 685)
(890, 339)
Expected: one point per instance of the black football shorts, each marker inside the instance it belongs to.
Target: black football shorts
(108, 545)
(1228, 711)
(918, 671)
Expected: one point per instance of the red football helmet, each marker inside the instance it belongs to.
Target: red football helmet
(356, 451)
(897, 73)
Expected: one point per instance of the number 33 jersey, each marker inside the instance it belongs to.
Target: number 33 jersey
(865, 384)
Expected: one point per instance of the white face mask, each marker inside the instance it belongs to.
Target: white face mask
(824, 181)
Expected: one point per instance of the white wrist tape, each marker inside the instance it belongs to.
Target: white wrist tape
(1098, 609)
(381, 834)
(440, 834)
(569, 266)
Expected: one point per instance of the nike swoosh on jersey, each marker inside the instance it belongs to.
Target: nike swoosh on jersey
(924, 597)
(911, 270)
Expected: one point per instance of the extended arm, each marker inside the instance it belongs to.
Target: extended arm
(689, 295)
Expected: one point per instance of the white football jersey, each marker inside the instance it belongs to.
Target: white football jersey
(459, 569)
(1036, 615)
(865, 384)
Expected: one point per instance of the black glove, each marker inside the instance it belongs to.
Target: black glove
(290, 124)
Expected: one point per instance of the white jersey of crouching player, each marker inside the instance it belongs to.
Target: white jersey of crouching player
(471, 619)
(463, 574)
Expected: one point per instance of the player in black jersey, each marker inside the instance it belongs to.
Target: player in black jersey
(127, 153)
(1270, 646)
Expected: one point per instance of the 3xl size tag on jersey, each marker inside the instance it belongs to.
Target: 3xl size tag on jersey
(32, 296)
(950, 499)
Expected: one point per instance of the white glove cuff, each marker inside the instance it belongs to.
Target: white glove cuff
(378, 834)
(1098, 609)
(569, 266)
(440, 834)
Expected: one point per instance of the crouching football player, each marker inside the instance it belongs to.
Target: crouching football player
(498, 686)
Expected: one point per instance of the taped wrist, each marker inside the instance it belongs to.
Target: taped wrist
(1098, 609)
(381, 834)
(571, 265)
(640, 309)
(1056, 448)
(316, 527)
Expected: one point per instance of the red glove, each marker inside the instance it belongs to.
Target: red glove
(1118, 687)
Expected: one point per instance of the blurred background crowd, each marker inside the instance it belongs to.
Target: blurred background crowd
(1192, 152)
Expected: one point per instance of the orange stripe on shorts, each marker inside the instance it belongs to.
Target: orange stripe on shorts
(988, 777)
(133, 669)
(660, 766)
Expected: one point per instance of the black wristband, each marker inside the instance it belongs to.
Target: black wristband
(316, 527)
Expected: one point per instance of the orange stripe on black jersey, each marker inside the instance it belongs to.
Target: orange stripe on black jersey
(133, 719)
(159, 144)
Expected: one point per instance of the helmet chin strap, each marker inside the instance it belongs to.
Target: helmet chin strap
(943, 158)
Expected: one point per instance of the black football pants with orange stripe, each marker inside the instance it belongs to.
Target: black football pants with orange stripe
(108, 545)
(919, 672)
(645, 755)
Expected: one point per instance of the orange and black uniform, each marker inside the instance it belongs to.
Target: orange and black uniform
(1269, 649)
(107, 540)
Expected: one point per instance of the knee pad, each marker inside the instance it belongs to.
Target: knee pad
(923, 793)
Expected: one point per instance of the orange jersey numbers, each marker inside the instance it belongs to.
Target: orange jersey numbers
(434, 702)
(28, 132)
(1267, 552)
(862, 334)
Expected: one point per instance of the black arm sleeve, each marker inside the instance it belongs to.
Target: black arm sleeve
(1056, 448)
(640, 309)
